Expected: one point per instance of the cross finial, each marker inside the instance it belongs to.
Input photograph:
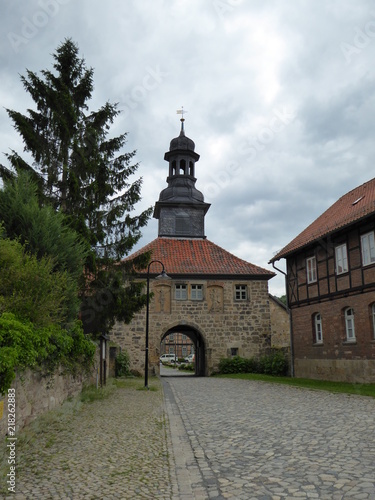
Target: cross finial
(181, 112)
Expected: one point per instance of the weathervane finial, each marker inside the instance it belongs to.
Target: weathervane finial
(181, 112)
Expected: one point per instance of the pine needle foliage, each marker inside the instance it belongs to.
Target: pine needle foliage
(81, 171)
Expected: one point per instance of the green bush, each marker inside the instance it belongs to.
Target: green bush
(274, 364)
(271, 364)
(189, 367)
(122, 364)
(23, 345)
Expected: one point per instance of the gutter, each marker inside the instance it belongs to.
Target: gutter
(290, 320)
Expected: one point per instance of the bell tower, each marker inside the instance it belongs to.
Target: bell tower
(181, 208)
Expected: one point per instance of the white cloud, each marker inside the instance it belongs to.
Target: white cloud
(235, 66)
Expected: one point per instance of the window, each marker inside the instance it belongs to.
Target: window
(181, 292)
(368, 248)
(234, 351)
(349, 324)
(171, 337)
(373, 320)
(241, 292)
(196, 292)
(311, 269)
(341, 259)
(318, 329)
(171, 350)
(182, 167)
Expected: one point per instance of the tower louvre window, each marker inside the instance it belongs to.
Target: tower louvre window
(182, 224)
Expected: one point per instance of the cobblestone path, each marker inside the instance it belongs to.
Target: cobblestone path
(208, 438)
(247, 440)
(115, 448)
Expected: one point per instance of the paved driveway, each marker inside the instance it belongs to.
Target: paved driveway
(251, 440)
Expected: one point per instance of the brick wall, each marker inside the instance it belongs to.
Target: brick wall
(335, 346)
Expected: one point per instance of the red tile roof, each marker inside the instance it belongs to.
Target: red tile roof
(352, 207)
(198, 257)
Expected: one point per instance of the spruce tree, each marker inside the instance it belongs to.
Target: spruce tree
(84, 173)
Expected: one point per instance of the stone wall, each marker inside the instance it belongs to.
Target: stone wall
(34, 395)
(280, 325)
(341, 370)
(224, 325)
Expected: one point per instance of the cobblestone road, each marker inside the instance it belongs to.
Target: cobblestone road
(208, 438)
(251, 440)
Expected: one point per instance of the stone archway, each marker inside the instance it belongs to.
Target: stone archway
(199, 346)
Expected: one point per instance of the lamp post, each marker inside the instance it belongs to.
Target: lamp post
(162, 275)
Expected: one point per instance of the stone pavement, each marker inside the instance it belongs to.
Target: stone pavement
(114, 448)
(248, 440)
(208, 438)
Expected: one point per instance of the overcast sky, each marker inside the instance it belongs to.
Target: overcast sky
(280, 99)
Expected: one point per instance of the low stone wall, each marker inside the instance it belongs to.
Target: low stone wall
(34, 395)
(341, 370)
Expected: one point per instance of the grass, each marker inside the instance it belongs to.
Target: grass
(322, 385)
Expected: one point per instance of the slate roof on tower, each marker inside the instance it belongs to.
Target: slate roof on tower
(350, 208)
(199, 257)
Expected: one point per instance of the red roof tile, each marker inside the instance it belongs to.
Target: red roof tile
(198, 257)
(352, 207)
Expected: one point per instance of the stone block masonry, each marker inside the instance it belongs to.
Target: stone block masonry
(34, 395)
(226, 325)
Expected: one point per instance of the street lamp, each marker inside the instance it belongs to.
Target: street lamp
(163, 275)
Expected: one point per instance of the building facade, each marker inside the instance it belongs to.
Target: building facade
(331, 291)
(218, 301)
(177, 343)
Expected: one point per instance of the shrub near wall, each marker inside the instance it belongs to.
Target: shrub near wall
(275, 364)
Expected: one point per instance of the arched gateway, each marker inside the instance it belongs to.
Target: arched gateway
(199, 345)
(210, 290)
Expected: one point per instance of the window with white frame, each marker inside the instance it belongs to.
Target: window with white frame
(311, 269)
(341, 259)
(373, 320)
(368, 248)
(349, 324)
(196, 292)
(181, 292)
(318, 329)
(240, 292)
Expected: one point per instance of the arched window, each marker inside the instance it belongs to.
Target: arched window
(174, 167)
(183, 167)
(373, 320)
(318, 328)
(349, 324)
(191, 168)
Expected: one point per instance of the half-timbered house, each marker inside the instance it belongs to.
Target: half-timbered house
(331, 290)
